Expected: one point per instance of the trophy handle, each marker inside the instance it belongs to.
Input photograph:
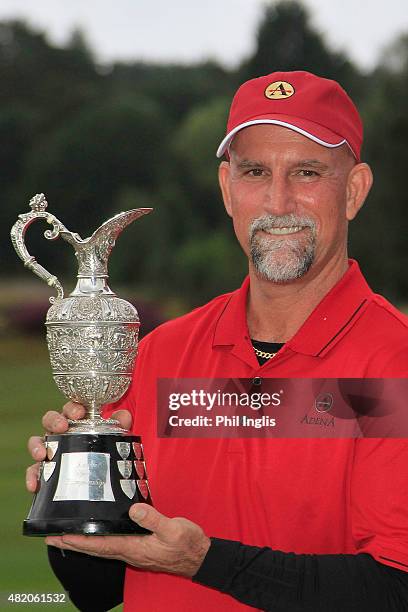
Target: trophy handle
(38, 204)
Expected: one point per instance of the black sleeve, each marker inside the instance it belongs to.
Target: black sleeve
(92, 583)
(286, 582)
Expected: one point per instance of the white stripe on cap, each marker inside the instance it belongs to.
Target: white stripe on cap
(227, 140)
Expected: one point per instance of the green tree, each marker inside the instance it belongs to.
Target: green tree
(43, 87)
(96, 156)
(208, 265)
(194, 145)
(378, 238)
(287, 40)
(177, 88)
(49, 81)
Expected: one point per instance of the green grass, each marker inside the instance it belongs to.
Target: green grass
(27, 392)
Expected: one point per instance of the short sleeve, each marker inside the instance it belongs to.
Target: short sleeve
(379, 500)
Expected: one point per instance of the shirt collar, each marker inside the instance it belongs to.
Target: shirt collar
(332, 316)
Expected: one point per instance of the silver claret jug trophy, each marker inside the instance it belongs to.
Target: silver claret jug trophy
(96, 470)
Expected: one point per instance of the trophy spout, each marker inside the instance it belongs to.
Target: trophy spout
(93, 253)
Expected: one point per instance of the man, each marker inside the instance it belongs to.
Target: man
(323, 521)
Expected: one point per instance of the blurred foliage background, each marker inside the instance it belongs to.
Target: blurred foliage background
(99, 139)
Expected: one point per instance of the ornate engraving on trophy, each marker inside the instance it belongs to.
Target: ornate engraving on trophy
(92, 334)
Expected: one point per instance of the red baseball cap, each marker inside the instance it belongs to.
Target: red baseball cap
(318, 108)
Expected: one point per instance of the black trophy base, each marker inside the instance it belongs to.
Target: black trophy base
(80, 526)
(87, 485)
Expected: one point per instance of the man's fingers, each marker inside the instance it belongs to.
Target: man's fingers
(72, 541)
(32, 477)
(73, 410)
(54, 422)
(124, 417)
(148, 517)
(36, 448)
(100, 546)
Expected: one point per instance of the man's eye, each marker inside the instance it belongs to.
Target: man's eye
(308, 173)
(256, 172)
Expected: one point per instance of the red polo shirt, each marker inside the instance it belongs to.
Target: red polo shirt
(310, 495)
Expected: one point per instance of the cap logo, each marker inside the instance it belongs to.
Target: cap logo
(279, 90)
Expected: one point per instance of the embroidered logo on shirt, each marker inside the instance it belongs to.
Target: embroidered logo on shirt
(324, 402)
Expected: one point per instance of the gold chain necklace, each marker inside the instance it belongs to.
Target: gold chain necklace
(263, 354)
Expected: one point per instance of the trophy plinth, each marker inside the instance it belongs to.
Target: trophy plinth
(96, 470)
(87, 484)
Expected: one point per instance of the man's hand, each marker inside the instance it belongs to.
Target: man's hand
(57, 423)
(176, 546)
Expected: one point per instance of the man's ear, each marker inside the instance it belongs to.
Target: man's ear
(224, 171)
(359, 184)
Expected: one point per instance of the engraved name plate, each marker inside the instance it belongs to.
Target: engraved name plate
(143, 488)
(125, 468)
(128, 487)
(48, 469)
(140, 468)
(137, 449)
(123, 449)
(52, 447)
(84, 476)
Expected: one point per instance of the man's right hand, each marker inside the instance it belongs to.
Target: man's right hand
(57, 423)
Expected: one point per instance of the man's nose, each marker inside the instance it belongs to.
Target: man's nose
(279, 198)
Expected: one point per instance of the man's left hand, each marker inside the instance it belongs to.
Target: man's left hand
(176, 545)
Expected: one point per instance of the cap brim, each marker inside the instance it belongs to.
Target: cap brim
(309, 129)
